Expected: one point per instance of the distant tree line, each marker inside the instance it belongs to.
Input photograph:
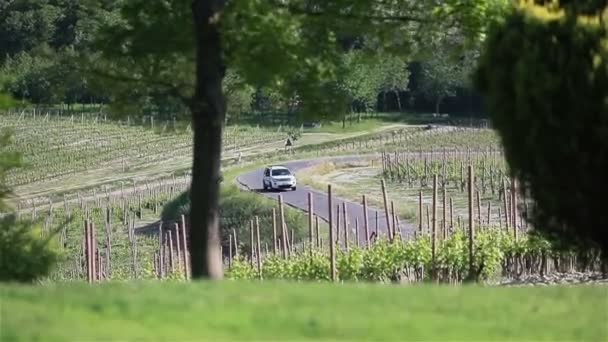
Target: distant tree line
(44, 45)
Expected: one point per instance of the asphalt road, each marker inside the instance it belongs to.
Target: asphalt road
(299, 199)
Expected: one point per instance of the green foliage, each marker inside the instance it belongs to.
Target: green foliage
(305, 43)
(241, 269)
(26, 256)
(386, 261)
(349, 264)
(273, 268)
(6, 101)
(446, 70)
(361, 79)
(41, 43)
(239, 95)
(488, 253)
(9, 160)
(25, 25)
(32, 77)
(544, 76)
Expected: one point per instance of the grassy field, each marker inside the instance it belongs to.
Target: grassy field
(298, 311)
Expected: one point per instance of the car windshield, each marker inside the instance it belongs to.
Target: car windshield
(280, 172)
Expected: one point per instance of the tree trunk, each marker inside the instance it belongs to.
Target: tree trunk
(208, 109)
(398, 100)
(437, 103)
(384, 102)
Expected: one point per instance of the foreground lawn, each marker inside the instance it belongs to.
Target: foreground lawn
(295, 311)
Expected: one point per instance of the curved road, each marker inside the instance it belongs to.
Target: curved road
(299, 199)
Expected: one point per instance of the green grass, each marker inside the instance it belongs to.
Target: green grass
(297, 311)
(373, 121)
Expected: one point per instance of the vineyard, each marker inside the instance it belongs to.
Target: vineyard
(413, 139)
(119, 230)
(446, 251)
(127, 230)
(101, 243)
(58, 148)
(409, 176)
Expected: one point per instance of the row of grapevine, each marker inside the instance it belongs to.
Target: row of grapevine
(57, 147)
(457, 252)
(447, 251)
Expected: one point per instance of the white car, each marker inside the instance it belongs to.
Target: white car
(278, 177)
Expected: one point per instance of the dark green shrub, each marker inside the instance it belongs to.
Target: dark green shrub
(545, 81)
(25, 255)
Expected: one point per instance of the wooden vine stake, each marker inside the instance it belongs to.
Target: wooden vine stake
(514, 207)
(282, 224)
(377, 220)
(478, 209)
(332, 257)
(310, 221)
(434, 229)
(161, 250)
(171, 257)
(93, 250)
(318, 236)
(236, 243)
(444, 213)
(251, 245)
(345, 225)
(472, 275)
(258, 248)
(229, 251)
(499, 218)
(178, 245)
(489, 212)
(101, 268)
(393, 233)
(451, 214)
(365, 221)
(108, 241)
(386, 213)
(87, 251)
(185, 244)
(274, 231)
(338, 224)
(428, 220)
(357, 231)
(504, 197)
(420, 212)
